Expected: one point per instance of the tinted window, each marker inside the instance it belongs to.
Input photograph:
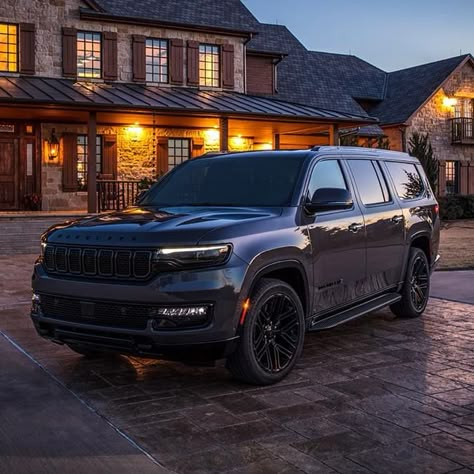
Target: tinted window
(235, 180)
(368, 182)
(407, 180)
(326, 174)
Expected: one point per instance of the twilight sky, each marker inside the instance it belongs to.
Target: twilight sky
(389, 34)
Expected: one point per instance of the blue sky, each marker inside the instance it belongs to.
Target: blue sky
(389, 34)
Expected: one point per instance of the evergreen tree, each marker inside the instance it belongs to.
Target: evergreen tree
(420, 147)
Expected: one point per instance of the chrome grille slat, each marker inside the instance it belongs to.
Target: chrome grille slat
(98, 262)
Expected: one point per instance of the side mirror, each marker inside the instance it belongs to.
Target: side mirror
(329, 199)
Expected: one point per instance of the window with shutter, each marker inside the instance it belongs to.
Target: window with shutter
(228, 66)
(176, 62)
(209, 65)
(139, 58)
(8, 47)
(110, 69)
(27, 48)
(89, 54)
(156, 60)
(69, 52)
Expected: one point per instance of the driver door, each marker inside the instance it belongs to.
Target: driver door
(338, 244)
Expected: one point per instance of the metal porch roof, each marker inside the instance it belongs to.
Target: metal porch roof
(38, 91)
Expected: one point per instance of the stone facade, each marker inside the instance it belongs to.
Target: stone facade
(51, 15)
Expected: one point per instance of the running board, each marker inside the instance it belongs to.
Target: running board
(353, 313)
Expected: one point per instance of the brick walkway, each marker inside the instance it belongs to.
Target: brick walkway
(377, 395)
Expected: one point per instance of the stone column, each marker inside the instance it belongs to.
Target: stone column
(224, 133)
(276, 141)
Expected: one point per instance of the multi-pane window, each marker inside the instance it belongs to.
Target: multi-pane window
(179, 150)
(156, 60)
(8, 47)
(209, 65)
(82, 158)
(89, 55)
(452, 177)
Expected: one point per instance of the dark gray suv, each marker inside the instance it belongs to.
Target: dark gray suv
(237, 255)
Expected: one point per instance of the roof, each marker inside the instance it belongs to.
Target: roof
(276, 39)
(43, 91)
(224, 14)
(408, 89)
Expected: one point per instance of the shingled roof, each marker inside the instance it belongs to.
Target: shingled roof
(224, 14)
(275, 39)
(408, 89)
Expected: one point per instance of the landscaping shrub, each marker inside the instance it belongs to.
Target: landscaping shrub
(456, 207)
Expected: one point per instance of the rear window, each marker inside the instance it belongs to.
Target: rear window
(407, 180)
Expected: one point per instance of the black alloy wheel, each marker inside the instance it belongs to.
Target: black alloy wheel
(272, 336)
(416, 288)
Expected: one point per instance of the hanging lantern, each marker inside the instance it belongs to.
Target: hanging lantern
(53, 145)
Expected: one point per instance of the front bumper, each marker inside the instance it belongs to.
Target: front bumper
(219, 287)
(435, 263)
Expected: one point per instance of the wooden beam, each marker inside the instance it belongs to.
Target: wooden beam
(276, 141)
(91, 163)
(224, 133)
(334, 135)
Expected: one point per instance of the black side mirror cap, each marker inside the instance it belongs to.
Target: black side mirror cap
(329, 199)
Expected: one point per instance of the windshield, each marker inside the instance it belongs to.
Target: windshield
(255, 180)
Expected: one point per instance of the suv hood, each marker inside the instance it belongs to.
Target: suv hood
(139, 226)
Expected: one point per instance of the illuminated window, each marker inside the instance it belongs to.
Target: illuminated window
(156, 60)
(178, 151)
(452, 181)
(209, 65)
(82, 159)
(8, 48)
(89, 55)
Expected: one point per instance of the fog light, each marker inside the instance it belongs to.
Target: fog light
(35, 304)
(180, 316)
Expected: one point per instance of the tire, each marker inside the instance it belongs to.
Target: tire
(416, 288)
(86, 352)
(272, 336)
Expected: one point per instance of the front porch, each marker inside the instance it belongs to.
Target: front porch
(136, 134)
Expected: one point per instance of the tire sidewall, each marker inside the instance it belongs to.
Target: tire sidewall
(416, 253)
(256, 303)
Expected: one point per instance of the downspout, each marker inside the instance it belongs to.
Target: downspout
(403, 131)
(245, 61)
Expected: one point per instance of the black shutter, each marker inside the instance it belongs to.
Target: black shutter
(69, 52)
(176, 61)
(228, 66)
(109, 48)
(69, 142)
(139, 58)
(27, 48)
(193, 63)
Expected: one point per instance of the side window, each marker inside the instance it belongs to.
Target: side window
(326, 174)
(369, 182)
(407, 180)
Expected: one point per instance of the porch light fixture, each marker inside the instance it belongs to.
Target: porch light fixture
(53, 146)
(135, 132)
(450, 101)
(211, 136)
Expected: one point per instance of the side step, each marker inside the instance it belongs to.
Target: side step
(353, 313)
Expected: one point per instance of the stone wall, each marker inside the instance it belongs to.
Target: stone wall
(50, 16)
(433, 117)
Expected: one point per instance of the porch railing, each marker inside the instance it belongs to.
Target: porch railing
(116, 195)
(462, 130)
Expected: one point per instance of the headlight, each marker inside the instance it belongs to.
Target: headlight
(169, 258)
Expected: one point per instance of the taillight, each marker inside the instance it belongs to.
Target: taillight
(436, 209)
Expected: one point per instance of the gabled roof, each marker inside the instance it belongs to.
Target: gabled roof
(276, 39)
(408, 89)
(230, 15)
(119, 96)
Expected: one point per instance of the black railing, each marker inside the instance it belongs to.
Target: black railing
(462, 130)
(116, 195)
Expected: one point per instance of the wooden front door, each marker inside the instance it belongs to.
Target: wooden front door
(9, 173)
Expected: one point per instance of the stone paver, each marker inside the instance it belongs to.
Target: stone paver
(377, 395)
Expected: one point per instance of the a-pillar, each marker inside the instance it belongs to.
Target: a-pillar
(224, 133)
(91, 163)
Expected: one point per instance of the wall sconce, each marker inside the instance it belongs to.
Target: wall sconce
(135, 132)
(212, 136)
(450, 101)
(53, 146)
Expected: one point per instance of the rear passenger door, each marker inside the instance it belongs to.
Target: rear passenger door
(384, 225)
(338, 243)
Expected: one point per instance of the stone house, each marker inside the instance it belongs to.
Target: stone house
(144, 85)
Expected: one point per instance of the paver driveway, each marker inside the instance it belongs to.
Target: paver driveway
(377, 395)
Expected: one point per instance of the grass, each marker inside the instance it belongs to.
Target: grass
(457, 245)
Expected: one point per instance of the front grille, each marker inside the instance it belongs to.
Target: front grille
(114, 315)
(98, 262)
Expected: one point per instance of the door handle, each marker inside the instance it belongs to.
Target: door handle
(397, 219)
(355, 227)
